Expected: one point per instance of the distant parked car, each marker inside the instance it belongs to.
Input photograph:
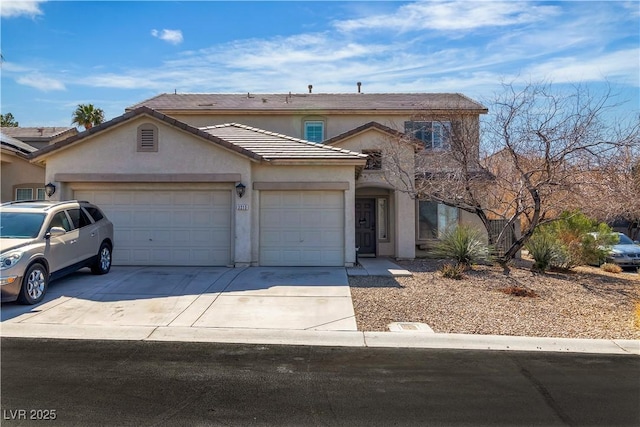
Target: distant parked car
(42, 240)
(625, 253)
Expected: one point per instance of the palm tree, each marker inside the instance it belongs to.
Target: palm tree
(88, 116)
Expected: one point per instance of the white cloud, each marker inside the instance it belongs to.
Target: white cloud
(594, 68)
(170, 36)
(565, 48)
(15, 8)
(41, 82)
(451, 16)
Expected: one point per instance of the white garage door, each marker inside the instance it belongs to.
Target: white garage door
(302, 228)
(167, 227)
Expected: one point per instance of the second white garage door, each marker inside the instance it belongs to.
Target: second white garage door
(302, 228)
(167, 227)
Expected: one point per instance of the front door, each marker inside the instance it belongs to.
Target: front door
(366, 226)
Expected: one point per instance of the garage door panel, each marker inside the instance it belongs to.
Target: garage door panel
(303, 228)
(167, 227)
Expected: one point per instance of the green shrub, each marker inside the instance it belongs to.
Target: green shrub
(452, 271)
(463, 244)
(611, 267)
(573, 242)
(544, 250)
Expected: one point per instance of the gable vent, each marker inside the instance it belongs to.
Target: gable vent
(147, 137)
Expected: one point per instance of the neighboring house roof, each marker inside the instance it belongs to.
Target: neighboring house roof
(39, 134)
(275, 146)
(15, 145)
(254, 143)
(365, 127)
(288, 103)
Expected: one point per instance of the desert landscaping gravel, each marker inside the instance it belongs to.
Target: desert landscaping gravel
(583, 303)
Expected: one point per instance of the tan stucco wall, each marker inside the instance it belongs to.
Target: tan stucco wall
(115, 151)
(17, 171)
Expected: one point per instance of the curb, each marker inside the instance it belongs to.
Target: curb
(323, 338)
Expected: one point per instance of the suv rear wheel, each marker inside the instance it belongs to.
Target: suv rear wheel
(34, 284)
(103, 263)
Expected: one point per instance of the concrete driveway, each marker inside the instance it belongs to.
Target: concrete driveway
(291, 298)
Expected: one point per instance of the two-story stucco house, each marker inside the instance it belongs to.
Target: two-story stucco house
(262, 179)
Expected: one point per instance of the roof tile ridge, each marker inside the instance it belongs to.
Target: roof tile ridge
(219, 126)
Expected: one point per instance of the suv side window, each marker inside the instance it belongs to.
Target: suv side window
(79, 218)
(60, 220)
(94, 212)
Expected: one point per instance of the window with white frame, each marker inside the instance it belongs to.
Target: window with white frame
(434, 219)
(434, 134)
(314, 130)
(24, 193)
(41, 194)
(383, 219)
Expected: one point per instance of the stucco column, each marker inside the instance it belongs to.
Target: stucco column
(349, 225)
(243, 212)
(405, 226)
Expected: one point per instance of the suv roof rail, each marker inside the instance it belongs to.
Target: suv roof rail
(15, 202)
(51, 202)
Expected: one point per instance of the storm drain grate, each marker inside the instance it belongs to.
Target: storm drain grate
(409, 327)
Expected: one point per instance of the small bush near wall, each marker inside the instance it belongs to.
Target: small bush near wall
(611, 268)
(453, 271)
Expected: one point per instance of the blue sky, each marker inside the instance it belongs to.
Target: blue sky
(58, 54)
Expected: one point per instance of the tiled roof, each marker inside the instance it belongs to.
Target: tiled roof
(275, 146)
(15, 145)
(33, 133)
(383, 102)
(253, 143)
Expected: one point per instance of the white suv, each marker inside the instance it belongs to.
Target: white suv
(42, 241)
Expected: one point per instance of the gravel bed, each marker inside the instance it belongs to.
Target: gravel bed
(585, 303)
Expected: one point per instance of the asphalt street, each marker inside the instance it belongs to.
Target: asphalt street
(137, 383)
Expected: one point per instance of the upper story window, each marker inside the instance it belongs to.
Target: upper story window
(374, 161)
(434, 135)
(314, 130)
(147, 138)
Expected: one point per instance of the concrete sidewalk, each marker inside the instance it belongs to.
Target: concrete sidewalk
(322, 338)
(255, 305)
(377, 267)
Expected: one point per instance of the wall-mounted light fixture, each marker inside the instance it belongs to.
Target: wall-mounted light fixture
(50, 189)
(240, 187)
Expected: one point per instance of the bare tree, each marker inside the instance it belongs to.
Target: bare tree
(555, 144)
(546, 151)
(616, 194)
